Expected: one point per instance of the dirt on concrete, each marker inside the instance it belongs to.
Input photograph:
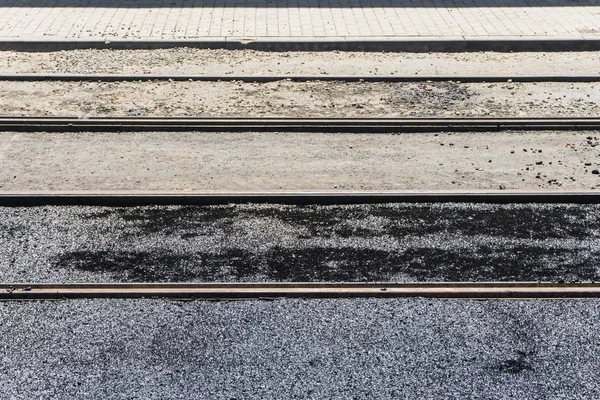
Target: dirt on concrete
(299, 161)
(196, 61)
(287, 98)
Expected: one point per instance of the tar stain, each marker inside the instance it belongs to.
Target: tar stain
(159, 219)
(517, 222)
(278, 264)
(322, 264)
(524, 263)
(129, 266)
(12, 231)
(330, 264)
(515, 254)
(399, 221)
(515, 365)
(167, 220)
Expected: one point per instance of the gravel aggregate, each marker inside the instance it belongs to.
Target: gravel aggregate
(386, 242)
(300, 349)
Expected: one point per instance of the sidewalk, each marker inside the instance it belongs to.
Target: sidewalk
(222, 22)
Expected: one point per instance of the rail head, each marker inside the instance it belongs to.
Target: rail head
(283, 124)
(141, 198)
(232, 291)
(263, 78)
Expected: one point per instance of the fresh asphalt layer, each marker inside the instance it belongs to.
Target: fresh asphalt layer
(385, 242)
(301, 349)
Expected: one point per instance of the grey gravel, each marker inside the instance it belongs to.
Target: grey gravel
(300, 349)
(386, 242)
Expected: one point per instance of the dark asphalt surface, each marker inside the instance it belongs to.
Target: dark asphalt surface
(301, 349)
(389, 242)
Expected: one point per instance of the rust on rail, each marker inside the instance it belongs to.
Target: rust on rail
(283, 124)
(225, 291)
(153, 197)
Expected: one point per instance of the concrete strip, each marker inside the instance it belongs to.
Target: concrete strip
(309, 162)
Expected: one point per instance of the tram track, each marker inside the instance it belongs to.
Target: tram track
(268, 290)
(37, 77)
(231, 291)
(295, 124)
(141, 198)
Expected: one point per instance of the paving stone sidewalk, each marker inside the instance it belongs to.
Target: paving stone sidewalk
(195, 19)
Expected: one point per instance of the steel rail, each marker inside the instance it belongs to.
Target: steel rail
(283, 124)
(140, 198)
(36, 77)
(224, 291)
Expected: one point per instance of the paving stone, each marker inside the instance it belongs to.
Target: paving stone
(191, 19)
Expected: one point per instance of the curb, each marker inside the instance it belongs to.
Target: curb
(372, 44)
